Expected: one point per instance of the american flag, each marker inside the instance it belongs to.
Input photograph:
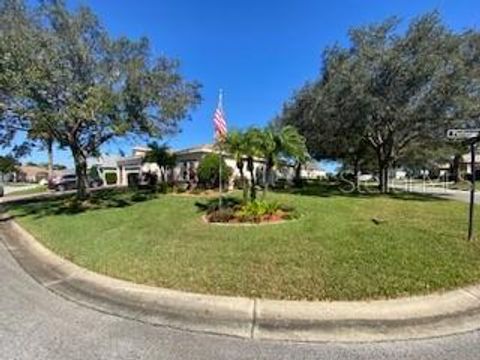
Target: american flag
(219, 121)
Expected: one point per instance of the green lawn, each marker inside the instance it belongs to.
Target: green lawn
(333, 251)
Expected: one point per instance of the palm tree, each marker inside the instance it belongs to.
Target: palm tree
(162, 156)
(277, 143)
(300, 161)
(295, 148)
(235, 146)
(48, 143)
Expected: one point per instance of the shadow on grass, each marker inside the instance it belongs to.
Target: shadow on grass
(366, 191)
(120, 198)
(213, 204)
(69, 205)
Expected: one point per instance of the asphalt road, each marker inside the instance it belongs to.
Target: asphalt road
(37, 324)
(441, 192)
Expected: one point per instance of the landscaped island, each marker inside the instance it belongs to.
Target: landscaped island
(232, 211)
(341, 247)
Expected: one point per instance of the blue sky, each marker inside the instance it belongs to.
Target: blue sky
(259, 51)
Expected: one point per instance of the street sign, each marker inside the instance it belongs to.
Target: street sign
(474, 136)
(463, 134)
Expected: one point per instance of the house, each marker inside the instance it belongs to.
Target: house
(464, 165)
(312, 171)
(125, 170)
(34, 173)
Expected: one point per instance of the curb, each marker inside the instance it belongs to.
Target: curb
(338, 321)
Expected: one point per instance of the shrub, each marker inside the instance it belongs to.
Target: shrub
(286, 208)
(227, 202)
(150, 179)
(290, 215)
(281, 184)
(133, 181)
(180, 188)
(221, 215)
(111, 178)
(255, 210)
(208, 174)
(238, 183)
(163, 188)
(138, 197)
(196, 191)
(93, 173)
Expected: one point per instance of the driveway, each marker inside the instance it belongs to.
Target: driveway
(37, 324)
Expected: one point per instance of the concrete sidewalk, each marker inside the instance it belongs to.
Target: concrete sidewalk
(406, 318)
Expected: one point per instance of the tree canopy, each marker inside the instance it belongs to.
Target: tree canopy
(62, 73)
(389, 92)
(162, 156)
(8, 164)
(208, 171)
(274, 144)
(279, 143)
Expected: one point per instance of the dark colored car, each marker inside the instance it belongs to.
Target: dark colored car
(63, 182)
(69, 182)
(1, 190)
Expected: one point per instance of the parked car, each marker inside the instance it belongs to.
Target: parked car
(1, 190)
(69, 182)
(63, 182)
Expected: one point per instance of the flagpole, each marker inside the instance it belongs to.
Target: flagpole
(220, 105)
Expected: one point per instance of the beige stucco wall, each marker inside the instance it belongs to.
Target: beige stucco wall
(187, 160)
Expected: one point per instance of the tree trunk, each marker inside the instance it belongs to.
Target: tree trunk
(386, 185)
(163, 170)
(171, 179)
(49, 143)
(383, 178)
(380, 179)
(80, 162)
(245, 190)
(242, 180)
(251, 170)
(356, 174)
(457, 175)
(253, 190)
(268, 176)
(298, 175)
(383, 165)
(268, 170)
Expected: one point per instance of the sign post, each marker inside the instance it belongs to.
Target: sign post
(472, 136)
(472, 190)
